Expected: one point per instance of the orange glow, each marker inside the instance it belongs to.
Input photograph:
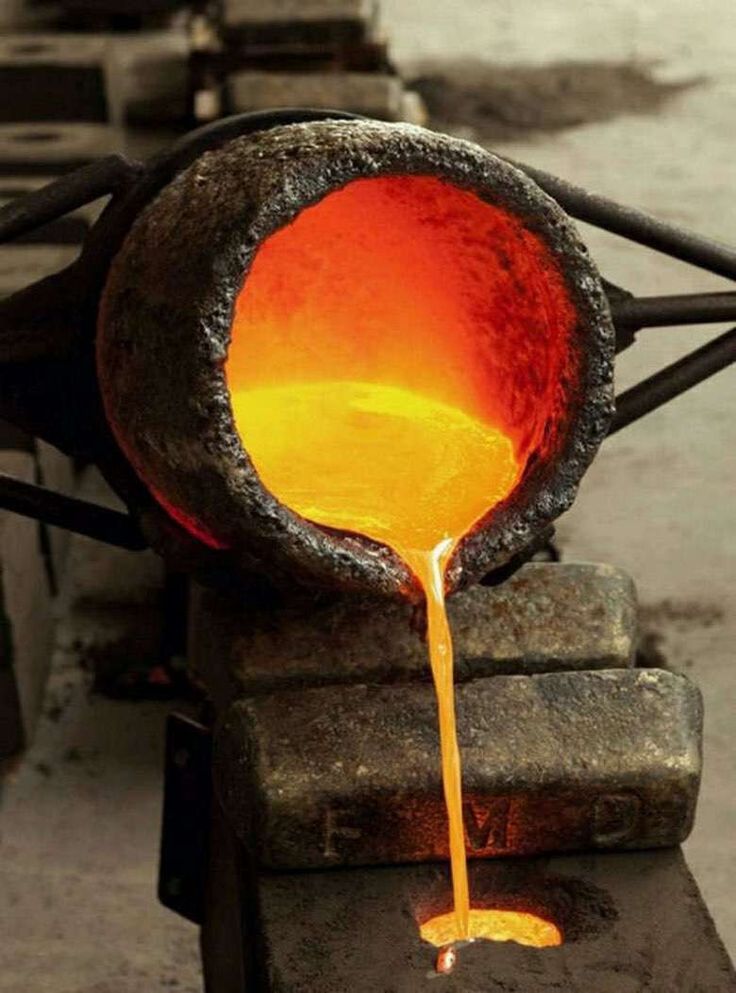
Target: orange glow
(415, 283)
(395, 359)
(186, 521)
(494, 925)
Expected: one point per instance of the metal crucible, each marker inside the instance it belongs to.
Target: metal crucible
(525, 332)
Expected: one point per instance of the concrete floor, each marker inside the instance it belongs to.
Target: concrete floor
(78, 832)
(79, 849)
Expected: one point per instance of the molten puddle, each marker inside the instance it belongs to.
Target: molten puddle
(494, 925)
(405, 470)
(387, 462)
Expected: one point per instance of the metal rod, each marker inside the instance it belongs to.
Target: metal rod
(65, 194)
(674, 379)
(636, 225)
(668, 311)
(101, 523)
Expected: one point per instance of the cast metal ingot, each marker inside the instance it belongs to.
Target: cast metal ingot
(350, 775)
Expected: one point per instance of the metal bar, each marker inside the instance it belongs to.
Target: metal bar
(628, 222)
(674, 379)
(80, 516)
(667, 311)
(186, 816)
(65, 194)
(634, 785)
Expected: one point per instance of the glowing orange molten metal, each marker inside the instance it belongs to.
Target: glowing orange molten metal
(392, 465)
(494, 925)
(396, 356)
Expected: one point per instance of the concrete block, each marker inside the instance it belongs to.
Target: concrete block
(108, 12)
(317, 23)
(289, 11)
(53, 148)
(59, 77)
(153, 72)
(556, 762)
(373, 94)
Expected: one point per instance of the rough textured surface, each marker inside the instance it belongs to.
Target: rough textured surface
(181, 437)
(350, 775)
(632, 923)
(546, 617)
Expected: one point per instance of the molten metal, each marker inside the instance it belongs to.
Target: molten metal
(392, 464)
(403, 469)
(411, 282)
(494, 925)
(383, 384)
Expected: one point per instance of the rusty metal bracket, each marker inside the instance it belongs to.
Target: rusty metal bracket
(186, 817)
(631, 314)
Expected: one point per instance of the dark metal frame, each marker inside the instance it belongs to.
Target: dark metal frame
(41, 323)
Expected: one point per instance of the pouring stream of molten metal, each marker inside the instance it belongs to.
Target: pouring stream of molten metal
(408, 471)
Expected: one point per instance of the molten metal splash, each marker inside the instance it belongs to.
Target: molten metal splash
(494, 925)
